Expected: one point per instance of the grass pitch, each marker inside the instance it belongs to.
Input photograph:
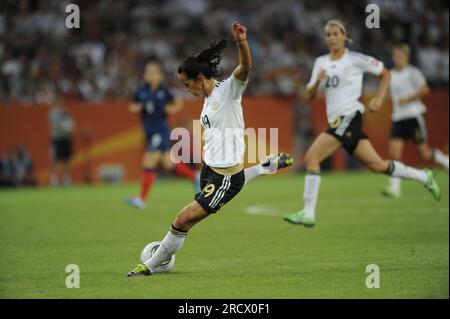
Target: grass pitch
(244, 251)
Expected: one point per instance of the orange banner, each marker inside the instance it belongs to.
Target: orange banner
(106, 133)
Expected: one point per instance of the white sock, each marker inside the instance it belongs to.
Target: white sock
(310, 194)
(394, 184)
(66, 179)
(252, 172)
(406, 172)
(257, 170)
(169, 246)
(440, 158)
(53, 180)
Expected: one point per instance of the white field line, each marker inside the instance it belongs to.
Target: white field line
(290, 207)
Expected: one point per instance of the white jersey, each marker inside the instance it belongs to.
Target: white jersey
(343, 85)
(223, 122)
(404, 84)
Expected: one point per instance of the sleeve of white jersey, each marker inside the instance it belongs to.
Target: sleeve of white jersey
(417, 78)
(315, 73)
(233, 87)
(369, 64)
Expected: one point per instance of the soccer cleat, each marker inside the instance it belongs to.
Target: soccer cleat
(388, 192)
(432, 186)
(135, 202)
(300, 218)
(282, 160)
(140, 271)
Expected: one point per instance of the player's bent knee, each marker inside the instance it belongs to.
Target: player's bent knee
(189, 216)
(168, 166)
(181, 223)
(379, 167)
(148, 165)
(394, 155)
(311, 161)
(426, 155)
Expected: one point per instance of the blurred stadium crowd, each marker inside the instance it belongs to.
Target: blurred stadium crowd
(103, 59)
(16, 167)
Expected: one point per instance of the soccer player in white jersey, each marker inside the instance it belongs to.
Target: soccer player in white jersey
(223, 175)
(408, 86)
(340, 74)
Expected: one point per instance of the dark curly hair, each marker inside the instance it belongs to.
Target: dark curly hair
(206, 63)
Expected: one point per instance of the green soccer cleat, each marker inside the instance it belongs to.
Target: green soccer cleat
(432, 186)
(139, 271)
(388, 192)
(285, 160)
(299, 218)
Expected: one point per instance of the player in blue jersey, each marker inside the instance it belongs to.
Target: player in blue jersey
(153, 101)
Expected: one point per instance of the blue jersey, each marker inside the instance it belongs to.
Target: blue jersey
(154, 103)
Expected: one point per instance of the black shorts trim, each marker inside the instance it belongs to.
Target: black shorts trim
(413, 128)
(348, 130)
(218, 189)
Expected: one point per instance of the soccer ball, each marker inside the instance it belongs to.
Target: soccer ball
(150, 250)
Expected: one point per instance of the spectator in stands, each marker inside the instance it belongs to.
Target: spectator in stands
(104, 61)
(7, 171)
(16, 168)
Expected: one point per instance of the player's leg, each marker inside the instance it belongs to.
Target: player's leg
(323, 146)
(149, 162)
(54, 163)
(54, 181)
(180, 169)
(425, 151)
(420, 136)
(66, 156)
(365, 153)
(66, 173)
(269, 165)
(174, 239)
(217, 190)
(396, 146)
(172, 242)
(436, 155)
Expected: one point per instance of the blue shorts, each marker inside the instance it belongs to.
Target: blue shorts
(158, 140)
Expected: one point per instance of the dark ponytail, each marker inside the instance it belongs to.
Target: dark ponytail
(206, 63)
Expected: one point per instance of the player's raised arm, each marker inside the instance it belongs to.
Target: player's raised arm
(376, 102)
(245, 59)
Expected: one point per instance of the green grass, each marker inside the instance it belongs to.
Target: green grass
(233, 254)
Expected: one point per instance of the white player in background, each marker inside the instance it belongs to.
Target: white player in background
(408, 86)
(341, 74)
(61, 149)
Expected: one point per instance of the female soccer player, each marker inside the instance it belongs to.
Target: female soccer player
(222, 176)
(407, 87)
(153, 101)
(341, 72)
(61, 130)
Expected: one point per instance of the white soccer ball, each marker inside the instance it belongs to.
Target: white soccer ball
(150, 250)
